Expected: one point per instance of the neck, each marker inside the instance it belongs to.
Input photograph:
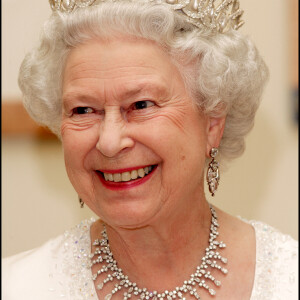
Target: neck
(170, 247)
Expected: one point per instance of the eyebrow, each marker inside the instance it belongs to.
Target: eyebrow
(69, 97)
(129, 91)
(144, 87)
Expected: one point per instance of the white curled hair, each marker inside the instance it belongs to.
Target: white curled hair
(227, 77)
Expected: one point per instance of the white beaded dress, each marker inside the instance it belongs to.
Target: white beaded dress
(60, 268)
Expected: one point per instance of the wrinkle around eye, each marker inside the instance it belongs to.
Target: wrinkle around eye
(78, 125)
(174, 118)
(177, 117)
(142, 114)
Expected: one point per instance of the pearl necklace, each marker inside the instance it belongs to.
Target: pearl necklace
(114, 273)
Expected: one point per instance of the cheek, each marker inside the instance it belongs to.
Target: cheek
(159, 129)
(76, 138)
(172, 131)
(77, 144)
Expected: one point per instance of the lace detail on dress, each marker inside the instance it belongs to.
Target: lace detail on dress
(276, 264)
(76, 264)
(275, 272)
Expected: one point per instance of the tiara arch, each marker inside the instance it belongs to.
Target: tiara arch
(217, 15)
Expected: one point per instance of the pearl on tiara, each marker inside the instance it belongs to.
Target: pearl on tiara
(216, 15)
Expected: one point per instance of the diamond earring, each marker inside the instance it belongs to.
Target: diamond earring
(80, 202)
(212, 175)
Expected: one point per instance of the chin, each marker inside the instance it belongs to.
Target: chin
(129, 215)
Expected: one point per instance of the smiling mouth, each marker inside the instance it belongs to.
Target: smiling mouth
(128, 176)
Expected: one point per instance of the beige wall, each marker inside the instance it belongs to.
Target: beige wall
(38, 200)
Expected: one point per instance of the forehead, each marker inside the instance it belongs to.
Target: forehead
(128, 62)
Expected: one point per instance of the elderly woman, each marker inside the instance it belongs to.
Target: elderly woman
(147, 98)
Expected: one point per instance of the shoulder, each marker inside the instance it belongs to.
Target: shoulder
(46, 272)
(276, 264)
(30, 268)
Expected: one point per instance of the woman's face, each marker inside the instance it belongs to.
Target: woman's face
(126, 108)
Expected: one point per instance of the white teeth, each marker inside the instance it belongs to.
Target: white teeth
(117, 177)
(127, 176)
(141, 172)
(134, 174)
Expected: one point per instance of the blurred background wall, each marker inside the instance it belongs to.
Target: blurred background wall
(38, 202)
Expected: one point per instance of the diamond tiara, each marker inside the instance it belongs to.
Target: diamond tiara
(216, 15)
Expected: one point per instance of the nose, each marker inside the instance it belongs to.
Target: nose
(113, 134)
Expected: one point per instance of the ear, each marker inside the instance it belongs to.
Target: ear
(214, 130)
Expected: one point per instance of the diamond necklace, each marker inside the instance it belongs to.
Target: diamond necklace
(199, 278)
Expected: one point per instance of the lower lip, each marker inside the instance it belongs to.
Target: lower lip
(117, 186)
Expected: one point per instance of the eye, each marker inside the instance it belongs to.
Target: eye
(82, 110)
(143, 104)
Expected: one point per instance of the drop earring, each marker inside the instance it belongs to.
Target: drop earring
(213, 176)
